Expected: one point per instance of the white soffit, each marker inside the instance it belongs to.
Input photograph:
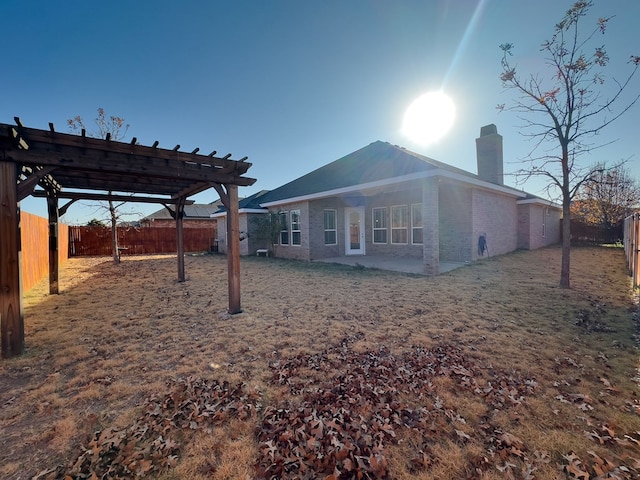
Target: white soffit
(437, 172)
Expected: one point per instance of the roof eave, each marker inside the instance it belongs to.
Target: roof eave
(242, 210)
(437, 172)
(539, 201)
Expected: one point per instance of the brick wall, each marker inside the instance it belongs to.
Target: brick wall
(406, 196)
(316, 228)
(464, 214)
(245, 243)
(430, 219)
(456, 243)
(538, 226)
(243, 226)
(524, 226)
(221, 234)
(296, 252)
(312, 224)
(496, 216)
(553, 227)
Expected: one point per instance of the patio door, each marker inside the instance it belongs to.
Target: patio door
(354, 230)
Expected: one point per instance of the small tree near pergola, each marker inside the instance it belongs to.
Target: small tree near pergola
(116, 128)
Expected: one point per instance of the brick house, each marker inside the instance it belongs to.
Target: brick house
(250, 216)
(195, 216)
(384, 200)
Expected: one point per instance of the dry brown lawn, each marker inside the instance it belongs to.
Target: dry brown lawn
(490, 371)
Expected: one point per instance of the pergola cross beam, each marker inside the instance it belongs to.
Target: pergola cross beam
(105, 197)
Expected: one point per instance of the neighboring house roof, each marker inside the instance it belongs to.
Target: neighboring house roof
(250, 204)
(253, 201)
(374, 165)
(192, 212)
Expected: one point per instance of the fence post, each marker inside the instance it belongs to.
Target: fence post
(628, 241)
(632, 246)
(636, 252)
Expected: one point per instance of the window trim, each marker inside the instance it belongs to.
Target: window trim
(297, 232)
(375, 229)
(284, 215)
(414, 227)
(335, 225)
(405, 228)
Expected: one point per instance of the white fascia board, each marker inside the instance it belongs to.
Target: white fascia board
(352, 188)
(437, 172)
(476, 182)
(540, 201)
(242, 210)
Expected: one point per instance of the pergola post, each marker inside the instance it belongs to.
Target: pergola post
(180, 237)
(11, 313)
(233, 249)
(54, 218)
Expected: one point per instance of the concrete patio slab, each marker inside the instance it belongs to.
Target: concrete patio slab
(396, 264)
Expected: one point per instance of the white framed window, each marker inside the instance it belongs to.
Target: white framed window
(284, 225)
(296, 237)
(330, 227)
(545, 212)
(379, 224)
(400, 224)
(416, 224)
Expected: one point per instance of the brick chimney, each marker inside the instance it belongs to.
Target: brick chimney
(489, 155)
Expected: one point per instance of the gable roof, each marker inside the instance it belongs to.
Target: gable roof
(376, 164)
(196, 211)
(250, 204)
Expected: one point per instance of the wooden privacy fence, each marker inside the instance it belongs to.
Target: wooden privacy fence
(586, 233)
(34, 237)
(96, 241)
(632, 246)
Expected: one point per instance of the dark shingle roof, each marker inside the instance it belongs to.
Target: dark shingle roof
(191, 212)
(250, 202)
(375, 162)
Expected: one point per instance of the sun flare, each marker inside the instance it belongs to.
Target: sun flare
(429, 118)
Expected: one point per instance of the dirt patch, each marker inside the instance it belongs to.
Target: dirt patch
(484, 372)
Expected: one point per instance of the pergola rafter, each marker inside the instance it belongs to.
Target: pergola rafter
(54, 165)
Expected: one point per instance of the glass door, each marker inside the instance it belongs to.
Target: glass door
(354, 230)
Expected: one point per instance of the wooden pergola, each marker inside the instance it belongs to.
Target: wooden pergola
(58, 166)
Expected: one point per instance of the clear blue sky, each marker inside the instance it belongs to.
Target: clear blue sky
(292, 84)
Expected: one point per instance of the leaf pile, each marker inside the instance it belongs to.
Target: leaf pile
(601, 467)
(344, 408)
(152, 443)
(354, 404)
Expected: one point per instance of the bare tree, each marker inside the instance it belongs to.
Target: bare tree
(610, 196)
(563, 112)
(116, 129)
